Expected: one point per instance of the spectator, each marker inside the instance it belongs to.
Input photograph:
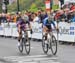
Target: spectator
(30, 16)
(18, 16)
(4, 19)
(26, 17)
(73, 17)
(14, 18)
(72, 7)
(0, 19)
(8, 17)
(70, 15)
(36, 18)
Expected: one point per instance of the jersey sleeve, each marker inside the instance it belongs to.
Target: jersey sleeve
(52, 22)
(44, 21)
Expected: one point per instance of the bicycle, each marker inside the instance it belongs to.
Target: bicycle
(51, 43)
(25, 41)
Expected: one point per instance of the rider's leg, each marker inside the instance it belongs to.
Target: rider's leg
(19, 32)
(46, 36)
(25, 30)
(26, 37)
(51, 35)
(45, 31)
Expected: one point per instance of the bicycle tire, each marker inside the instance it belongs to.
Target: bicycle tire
(27, 46)
(21, 46)
(55, 44)
(44, 45)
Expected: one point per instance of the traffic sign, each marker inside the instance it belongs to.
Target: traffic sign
(47, 3)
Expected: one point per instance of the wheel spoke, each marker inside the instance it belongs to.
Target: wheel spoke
(44, 45)
(27, 46)
(54, 45)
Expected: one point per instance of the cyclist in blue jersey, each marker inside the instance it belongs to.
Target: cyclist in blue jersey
(47, 26)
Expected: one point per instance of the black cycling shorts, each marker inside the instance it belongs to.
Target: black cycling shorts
(48, 26)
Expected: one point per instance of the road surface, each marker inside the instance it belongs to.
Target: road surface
(9, 53)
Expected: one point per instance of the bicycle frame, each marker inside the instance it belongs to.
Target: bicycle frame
(24, 42)
(23, 34)
(49, 38)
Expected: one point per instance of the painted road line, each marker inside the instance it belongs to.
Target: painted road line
(31, 58)
(27, 56)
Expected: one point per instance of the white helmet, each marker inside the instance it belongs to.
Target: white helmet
(25, 18)
(50, 18)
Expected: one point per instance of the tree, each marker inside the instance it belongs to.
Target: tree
(26, 5)
(33, 7)
(0, 6)
(12, 8)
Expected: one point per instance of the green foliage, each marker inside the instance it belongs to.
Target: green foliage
(0, 8)
(33, 7)
(55, 7)
(12, 8)
(27, 5)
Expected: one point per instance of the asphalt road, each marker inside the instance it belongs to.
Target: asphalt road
(9, 53)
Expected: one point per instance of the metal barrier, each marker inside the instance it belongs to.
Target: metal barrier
(66, 31)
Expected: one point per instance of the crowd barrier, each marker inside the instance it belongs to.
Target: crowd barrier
(66, 31)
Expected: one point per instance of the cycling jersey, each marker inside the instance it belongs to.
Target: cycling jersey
(22, 23)
(48, 23)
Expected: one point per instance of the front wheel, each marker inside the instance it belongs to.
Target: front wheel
(27, 45)
(44, 45)
(53, 45)
(21, 46)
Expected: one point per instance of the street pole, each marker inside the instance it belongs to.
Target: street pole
(6, 9)
(18, 6)
(51, 3)
(4, 6)
(0, 6)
